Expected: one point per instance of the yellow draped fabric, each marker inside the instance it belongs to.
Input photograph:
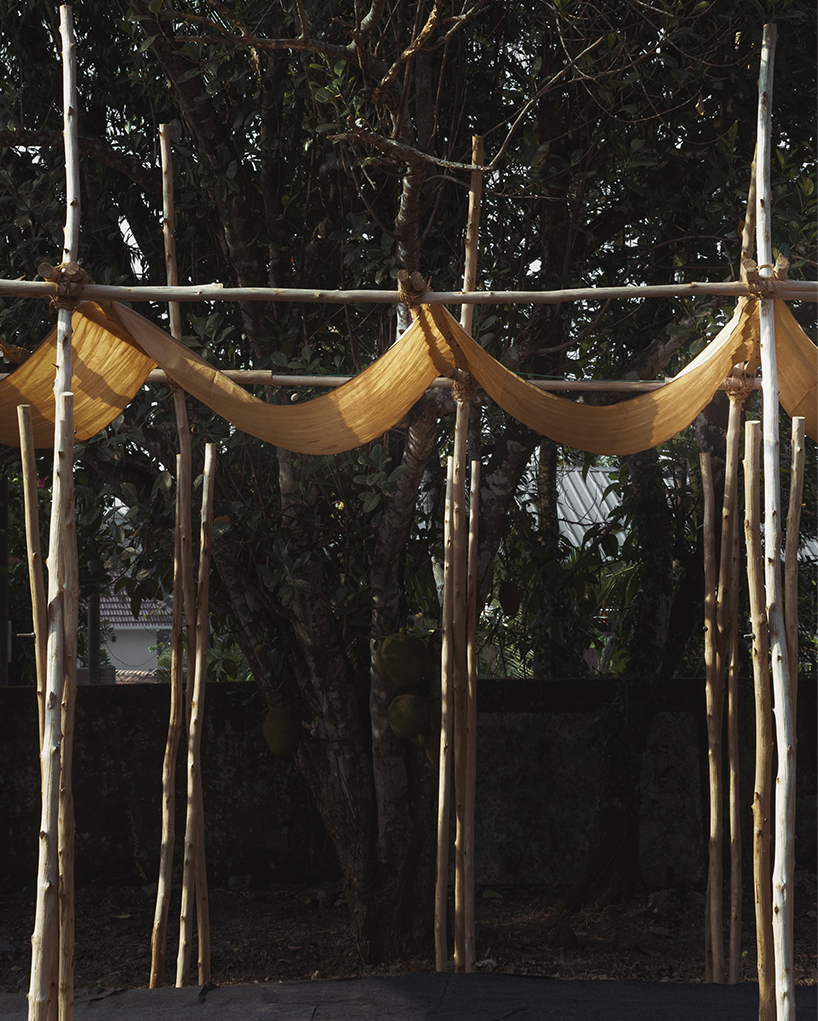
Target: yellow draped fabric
(797, 364)
(114, 349)
(109, 368)
(624, 428)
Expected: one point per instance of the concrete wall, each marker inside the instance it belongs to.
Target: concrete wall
(537, 775)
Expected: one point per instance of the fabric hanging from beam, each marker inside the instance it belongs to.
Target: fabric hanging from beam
(115, 348)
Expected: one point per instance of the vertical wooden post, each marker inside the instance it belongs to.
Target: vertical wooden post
(446, 714)
(461, 688)
(738, 389)
(791, 553)
(714, 696)
(184, 620)
(459, 553)
(52, 975)
(194, 845)
(165, 883)
(762, 887)
(784, 861)
(35, 559)
(471, 720)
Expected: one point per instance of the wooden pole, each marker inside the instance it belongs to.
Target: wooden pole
(446, 714)
(727, 650)
(789, 290)
(714, 696)
(762, 794)
(165, 883)
(52, 976)
(460, 678)
(471, 719)
(791, 552)
(460, 550)
(784, 861)
(35, 559)
(194, 862)
(734, 782)
(183, 623)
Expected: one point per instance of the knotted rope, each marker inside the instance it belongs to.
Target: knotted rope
(70, 278)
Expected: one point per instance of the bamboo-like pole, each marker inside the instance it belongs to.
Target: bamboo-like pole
(444, 791)
(714, 696)
(789, 290)
(460, 565)
(727, 650)
(165, 883)
(791, 552)
(471, 719)
(194, 845)
(52, 976)
(183, 623)
(35, 559)
(762, 789)
(784, 860)
(734, 779)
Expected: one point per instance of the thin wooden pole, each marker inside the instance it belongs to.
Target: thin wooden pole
(791, 552)
(734, 781)
(52, 976)
(35, 559)
(459, 564)
(194, 845)
(460, 558)
(714, 696)
(176, 716)
(784, 861)
(446, 714)
(471, 719)
(183, 624)
(762, 788)
(727, 650)
(789, 290)
(263, 377)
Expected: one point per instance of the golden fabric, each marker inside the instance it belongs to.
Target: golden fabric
(115, 348)
(108, 370)
(797, 363)
(357, 412)
(624, 428)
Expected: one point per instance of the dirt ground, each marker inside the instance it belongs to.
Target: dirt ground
(292, 933)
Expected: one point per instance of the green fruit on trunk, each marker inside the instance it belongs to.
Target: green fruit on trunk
(403, 660)
(282, 729)
(408, 716)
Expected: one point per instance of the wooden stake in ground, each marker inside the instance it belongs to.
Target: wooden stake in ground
(446, 714)
(714, 696)
(738, 388)
(762, 794)
(791, 552)
(194, 871)
(463, 769)
(183, 623)
(784, 862)
(57, 823)
(35, 560)
(471, 719)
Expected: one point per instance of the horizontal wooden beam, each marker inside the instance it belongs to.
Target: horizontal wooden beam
(789, 290)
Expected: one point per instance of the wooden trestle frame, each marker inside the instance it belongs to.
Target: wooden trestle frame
(56, 625)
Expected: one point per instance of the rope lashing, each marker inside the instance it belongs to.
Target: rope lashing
(70, 278)
(411, 288)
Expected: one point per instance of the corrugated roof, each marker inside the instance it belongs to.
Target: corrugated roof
(582, 502)
(116, 610)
